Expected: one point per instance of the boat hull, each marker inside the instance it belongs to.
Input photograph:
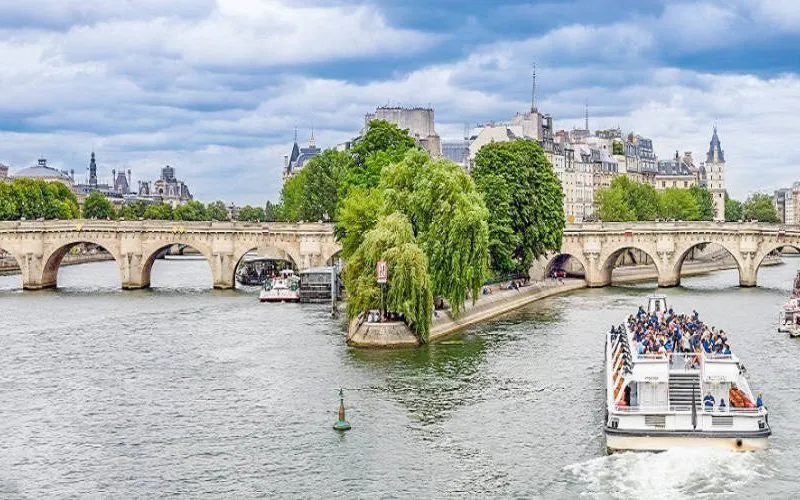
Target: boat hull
(294, 298)
(616, 442)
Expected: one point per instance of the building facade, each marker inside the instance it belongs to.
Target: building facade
(167, 189)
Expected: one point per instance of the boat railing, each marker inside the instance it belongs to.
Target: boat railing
(687, 409)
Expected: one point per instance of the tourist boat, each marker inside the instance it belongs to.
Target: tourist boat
(284, 288)
(657, 401)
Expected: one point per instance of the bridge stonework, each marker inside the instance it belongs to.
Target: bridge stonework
(597, 246)
(39, 246)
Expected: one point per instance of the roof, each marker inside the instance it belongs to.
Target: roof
(715, 146)
(41, 171)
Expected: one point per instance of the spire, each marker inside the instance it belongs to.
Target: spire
(533, 91)
(715, 153)
(295, 135)
(586, 115)
(312, 143)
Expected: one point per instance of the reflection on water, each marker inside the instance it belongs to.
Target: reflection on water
(189, 391)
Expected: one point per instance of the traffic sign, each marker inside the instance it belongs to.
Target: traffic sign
(382, 271)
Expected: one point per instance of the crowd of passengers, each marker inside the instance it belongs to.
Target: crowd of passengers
(666, 333)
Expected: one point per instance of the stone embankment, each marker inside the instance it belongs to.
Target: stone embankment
(501, 301)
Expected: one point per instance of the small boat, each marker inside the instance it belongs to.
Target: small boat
(659, 398)
(284, 288)
(789, 317)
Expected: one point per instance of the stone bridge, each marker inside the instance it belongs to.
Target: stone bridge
(598, 246)
(39, 246)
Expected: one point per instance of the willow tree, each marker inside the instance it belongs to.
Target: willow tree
(408, 291)
(448, 219)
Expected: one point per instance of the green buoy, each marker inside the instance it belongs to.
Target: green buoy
(341, 424)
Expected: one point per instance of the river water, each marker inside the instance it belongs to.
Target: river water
(182, 390)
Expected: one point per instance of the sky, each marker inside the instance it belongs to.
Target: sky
(215, 88)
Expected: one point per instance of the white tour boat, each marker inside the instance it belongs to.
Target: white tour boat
(285, 288)
(789, 317)
(662, 400)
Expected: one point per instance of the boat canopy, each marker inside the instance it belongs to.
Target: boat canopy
(656, 303)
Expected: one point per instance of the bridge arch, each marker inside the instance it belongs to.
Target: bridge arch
(608, 261)
(271, 252)
(560, 261)
(51, 261)
(684, 251)
(151, 252)
(769, 248)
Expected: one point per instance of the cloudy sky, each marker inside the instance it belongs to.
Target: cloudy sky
(216, 87)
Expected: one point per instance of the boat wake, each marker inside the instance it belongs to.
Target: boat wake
(676, 473)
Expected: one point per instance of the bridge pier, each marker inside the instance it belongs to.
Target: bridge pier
(34, 275)
(223, 269)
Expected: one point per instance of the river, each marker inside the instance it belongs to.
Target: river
(183, 390)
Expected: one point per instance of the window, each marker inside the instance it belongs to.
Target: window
(685, 184)
(663, 184)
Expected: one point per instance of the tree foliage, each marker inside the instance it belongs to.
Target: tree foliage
(759, 207)
(192, 210)
(448, 218)
(313, 193)
(409, 289)
(97, 206)
(678, 204)
(382, 144)
(270, 212)
(733, 209)
(705, 202)
(217, 211)
(36, 198)
(358, 214)
(525, 201)
(133, 210)
(158, 211)
(613, 205)
(251, 214)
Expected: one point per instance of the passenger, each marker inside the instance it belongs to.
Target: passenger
(759, 401)
(722, 406)
(708, 401)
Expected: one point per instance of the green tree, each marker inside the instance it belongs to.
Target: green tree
(705, 202)
(760, 207)
(643, 199)
(270, 212)
(8, 202)
(383, 143)
(60, 201)
(358, 214)
(97, 206)
(409, 289)
(525, 201)
(217, 211)
(617, 147)
(448, 218)
(678, 204)
(158, 211)
(323, 177)
(251, 214)
(133, 210)
(292, 194)
(612, 205)
(190, 211)
(733, 209)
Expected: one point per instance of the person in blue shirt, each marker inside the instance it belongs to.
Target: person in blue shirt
(708, 401)
(722, 406)
(759, 401)
(726, 350)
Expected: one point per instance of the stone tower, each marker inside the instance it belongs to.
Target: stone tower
(715, 170)
(92, 172)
